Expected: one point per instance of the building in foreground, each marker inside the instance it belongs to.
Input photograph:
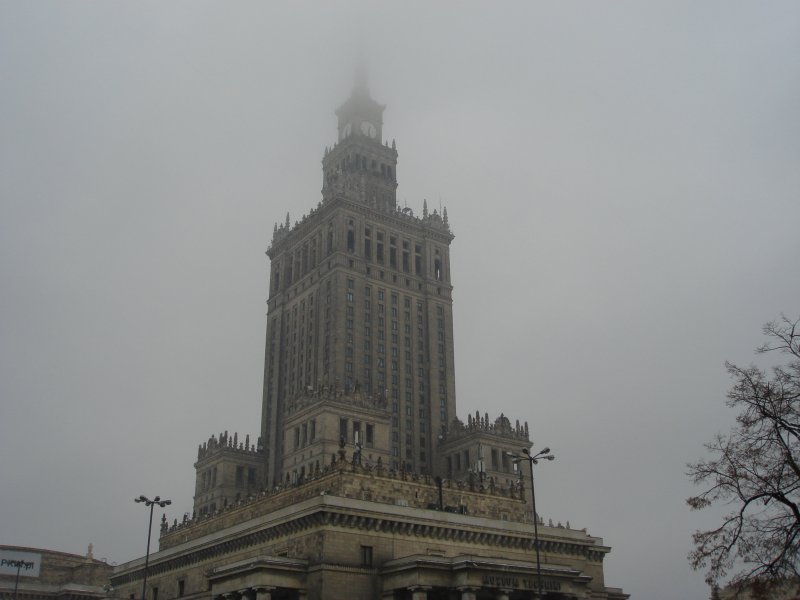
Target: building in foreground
(37, 574)
(364, 483)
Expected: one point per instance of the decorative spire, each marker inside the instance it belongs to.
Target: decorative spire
(287, 220)
(425, 208)
(360, 80)
(444, 215)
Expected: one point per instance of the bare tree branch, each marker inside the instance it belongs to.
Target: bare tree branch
(755, 467)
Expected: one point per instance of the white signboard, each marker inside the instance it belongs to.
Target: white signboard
(27, 563)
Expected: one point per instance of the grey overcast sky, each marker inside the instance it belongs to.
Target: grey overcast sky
(622, 179)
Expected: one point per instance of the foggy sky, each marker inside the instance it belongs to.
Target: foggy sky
(621, 177)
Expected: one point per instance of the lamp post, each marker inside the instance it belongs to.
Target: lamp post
(151, 503)
(534, 460)
(20, 564)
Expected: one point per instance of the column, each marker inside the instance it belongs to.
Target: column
(468, 593)
(264, 593)
(419, 592)
(503, 594)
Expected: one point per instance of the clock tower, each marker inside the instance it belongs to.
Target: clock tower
(361, 164)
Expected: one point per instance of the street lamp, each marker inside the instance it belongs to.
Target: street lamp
(534, 460)
(151, 504)
(19, 564)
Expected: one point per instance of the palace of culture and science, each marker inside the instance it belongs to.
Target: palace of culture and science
(364, 482)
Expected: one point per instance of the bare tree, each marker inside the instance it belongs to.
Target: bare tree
(754, 469)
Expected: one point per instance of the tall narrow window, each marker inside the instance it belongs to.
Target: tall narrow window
(370, 434)
(366, 556)
(393, 252)
(239, 476)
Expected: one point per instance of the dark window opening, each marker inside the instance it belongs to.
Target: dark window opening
(351, 241)
(239, 476)
(366, 556)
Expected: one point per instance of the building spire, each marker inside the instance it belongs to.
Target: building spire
(360, 79)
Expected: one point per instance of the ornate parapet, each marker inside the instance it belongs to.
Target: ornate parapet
(229, 443)
(330, 394)
(501, 427)
(371, 482)
(433, 221)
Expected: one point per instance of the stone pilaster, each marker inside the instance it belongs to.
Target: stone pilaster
(264, 593)
(468, 593)
(419, 592)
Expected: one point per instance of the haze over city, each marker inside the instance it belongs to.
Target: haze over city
(621, 179)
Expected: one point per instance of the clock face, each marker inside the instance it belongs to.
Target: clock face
(346, 130)
(369, 129)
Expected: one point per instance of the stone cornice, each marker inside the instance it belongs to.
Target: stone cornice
(326, 511)
(394, 218)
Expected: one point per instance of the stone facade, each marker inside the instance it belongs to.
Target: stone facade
(360, 300)
(352, 531)
(318, 430)
(51, 575)
(364, 483)
(227, 470)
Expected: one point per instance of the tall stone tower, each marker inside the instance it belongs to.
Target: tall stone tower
(359, 314)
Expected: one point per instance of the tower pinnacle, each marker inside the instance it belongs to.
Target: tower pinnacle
(360, 79)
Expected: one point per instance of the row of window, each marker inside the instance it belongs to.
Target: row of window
(358, 432)
(301, 261)
(462, 461)
(244, 475)
(305, 434)
(240, 476)
(352, 162)
(393, 363)
(208, 478)
(179, 592)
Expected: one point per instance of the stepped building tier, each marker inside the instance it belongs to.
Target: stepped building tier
(360, 301)
(364, 483)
